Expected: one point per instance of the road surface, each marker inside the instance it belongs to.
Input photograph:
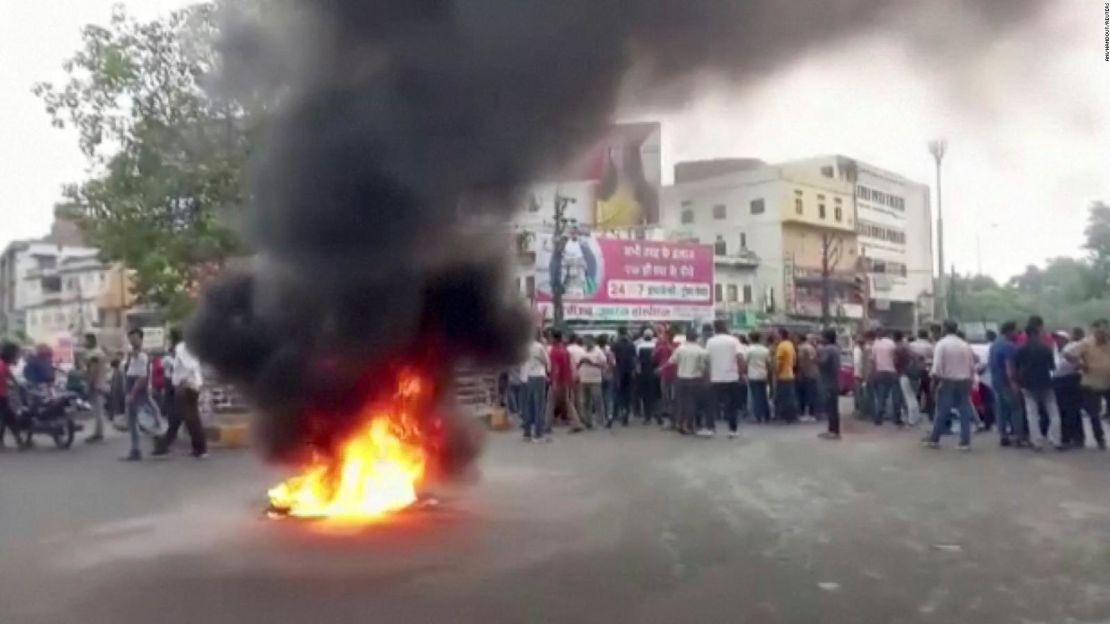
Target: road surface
(630, 526)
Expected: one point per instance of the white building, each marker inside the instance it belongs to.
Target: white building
(49, 290)
(894, 238)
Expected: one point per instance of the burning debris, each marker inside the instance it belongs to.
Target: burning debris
(398, 132)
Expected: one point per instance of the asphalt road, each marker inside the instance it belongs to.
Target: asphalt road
(629, 526)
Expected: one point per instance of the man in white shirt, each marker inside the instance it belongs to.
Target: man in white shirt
(690, 359)
(724, 379)
(758, 359)
(953, 370)
(137, 390)
(187, 379)
(590, 368)
(535, 370)
(885, 379)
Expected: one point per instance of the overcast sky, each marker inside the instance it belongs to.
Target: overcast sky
(1028, 125)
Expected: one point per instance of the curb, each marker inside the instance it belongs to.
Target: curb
(228, 435)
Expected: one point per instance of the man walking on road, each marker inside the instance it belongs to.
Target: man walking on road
(1034, 363)
(186, 381)
(96, 362)
(137, 392)
(953, 370)
(724, 379)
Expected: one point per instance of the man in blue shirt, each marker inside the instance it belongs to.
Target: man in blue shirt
(1000, 360)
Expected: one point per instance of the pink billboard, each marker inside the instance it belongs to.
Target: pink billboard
(627, 280)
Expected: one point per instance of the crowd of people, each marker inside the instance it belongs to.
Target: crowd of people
(1034, 387)
(144, 392)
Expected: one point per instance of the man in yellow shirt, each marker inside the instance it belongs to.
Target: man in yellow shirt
(786, 407)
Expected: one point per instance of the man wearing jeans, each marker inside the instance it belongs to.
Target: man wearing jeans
(1000, 362)
(534, 372)
(953, 370)
(758, 359)
(137, 384)
(885, 379)
(1034, 363)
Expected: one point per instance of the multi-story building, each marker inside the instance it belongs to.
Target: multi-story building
(47, 289)
(54, 286)
(894, 238)
(799, 223)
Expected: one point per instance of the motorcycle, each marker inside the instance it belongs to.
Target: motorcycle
(49, 414)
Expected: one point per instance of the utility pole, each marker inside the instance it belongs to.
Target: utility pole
(937, 148)
(559, 241)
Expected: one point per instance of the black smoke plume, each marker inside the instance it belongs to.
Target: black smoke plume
(400, 133)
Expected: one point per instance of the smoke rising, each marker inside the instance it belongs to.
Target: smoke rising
(400, 133)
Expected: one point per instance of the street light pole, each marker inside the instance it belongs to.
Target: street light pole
(937, 148)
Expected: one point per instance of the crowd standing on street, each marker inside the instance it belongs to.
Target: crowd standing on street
(1034, 387)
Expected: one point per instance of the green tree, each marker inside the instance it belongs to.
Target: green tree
(1097, 245)
(166, 154)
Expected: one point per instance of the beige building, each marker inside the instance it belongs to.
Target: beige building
(792, 218)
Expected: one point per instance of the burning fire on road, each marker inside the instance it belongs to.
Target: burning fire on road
(377, 470)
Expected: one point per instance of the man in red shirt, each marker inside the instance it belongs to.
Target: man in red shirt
(667, 373)
(562, 383)
(9, 353)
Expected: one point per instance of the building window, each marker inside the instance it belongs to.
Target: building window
(687, 216)
(733, 293)
(743, 240)
(747, 293)
(530, 286)
(717, 293)
(838, 214)
(798, 208)
(757, 206)
(720, 248)
(827, 172)
(821, 211)
(720, 212)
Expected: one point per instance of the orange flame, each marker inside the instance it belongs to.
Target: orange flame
(376, 471)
